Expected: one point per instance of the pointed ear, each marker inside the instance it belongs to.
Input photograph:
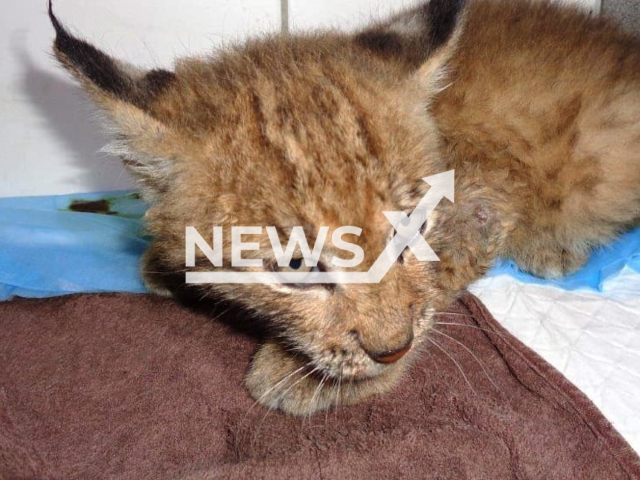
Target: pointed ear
(420, 39)
(127, 95)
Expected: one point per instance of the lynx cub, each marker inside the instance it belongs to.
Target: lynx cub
(535, 106)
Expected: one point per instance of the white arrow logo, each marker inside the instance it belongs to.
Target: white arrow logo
(407, 236)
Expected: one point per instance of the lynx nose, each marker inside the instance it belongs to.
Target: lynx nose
(391, 356)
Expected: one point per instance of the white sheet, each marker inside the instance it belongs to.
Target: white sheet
(592, 338)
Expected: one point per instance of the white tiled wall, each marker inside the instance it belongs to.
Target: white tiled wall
(353, 13)
(339, 13)
(48, 141)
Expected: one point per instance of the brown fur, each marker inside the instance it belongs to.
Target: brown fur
(558, 113)
(534, 106)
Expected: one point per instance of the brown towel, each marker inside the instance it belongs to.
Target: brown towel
(133, 387)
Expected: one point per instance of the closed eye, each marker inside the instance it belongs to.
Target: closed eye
(401, 258)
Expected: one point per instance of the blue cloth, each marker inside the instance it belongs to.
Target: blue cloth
(55, 245)
(604, 263)
(93, 242)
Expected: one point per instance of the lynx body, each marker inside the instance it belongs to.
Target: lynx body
(535, 106)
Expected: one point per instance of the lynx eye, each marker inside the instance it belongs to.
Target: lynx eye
(295, 263)
(297, 266)
(423, 229)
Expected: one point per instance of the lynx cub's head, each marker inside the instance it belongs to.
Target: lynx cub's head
(313, 130)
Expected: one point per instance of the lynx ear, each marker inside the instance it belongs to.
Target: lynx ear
(422, 38)
(127, 95)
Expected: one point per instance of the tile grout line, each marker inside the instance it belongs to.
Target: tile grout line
(284, 17)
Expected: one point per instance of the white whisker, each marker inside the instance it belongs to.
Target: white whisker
(220, 315)
(452, 314)
(337, 404)
(273, 387)
(300, 380)
(454, 361)
(316, 392)
(492, 332)
(290, 387)
(482, 364)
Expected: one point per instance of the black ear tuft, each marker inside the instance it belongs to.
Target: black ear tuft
(97, 69)
(90, 62)
(442, 16)
(414, 35)
(155, 81)
(386, 43)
